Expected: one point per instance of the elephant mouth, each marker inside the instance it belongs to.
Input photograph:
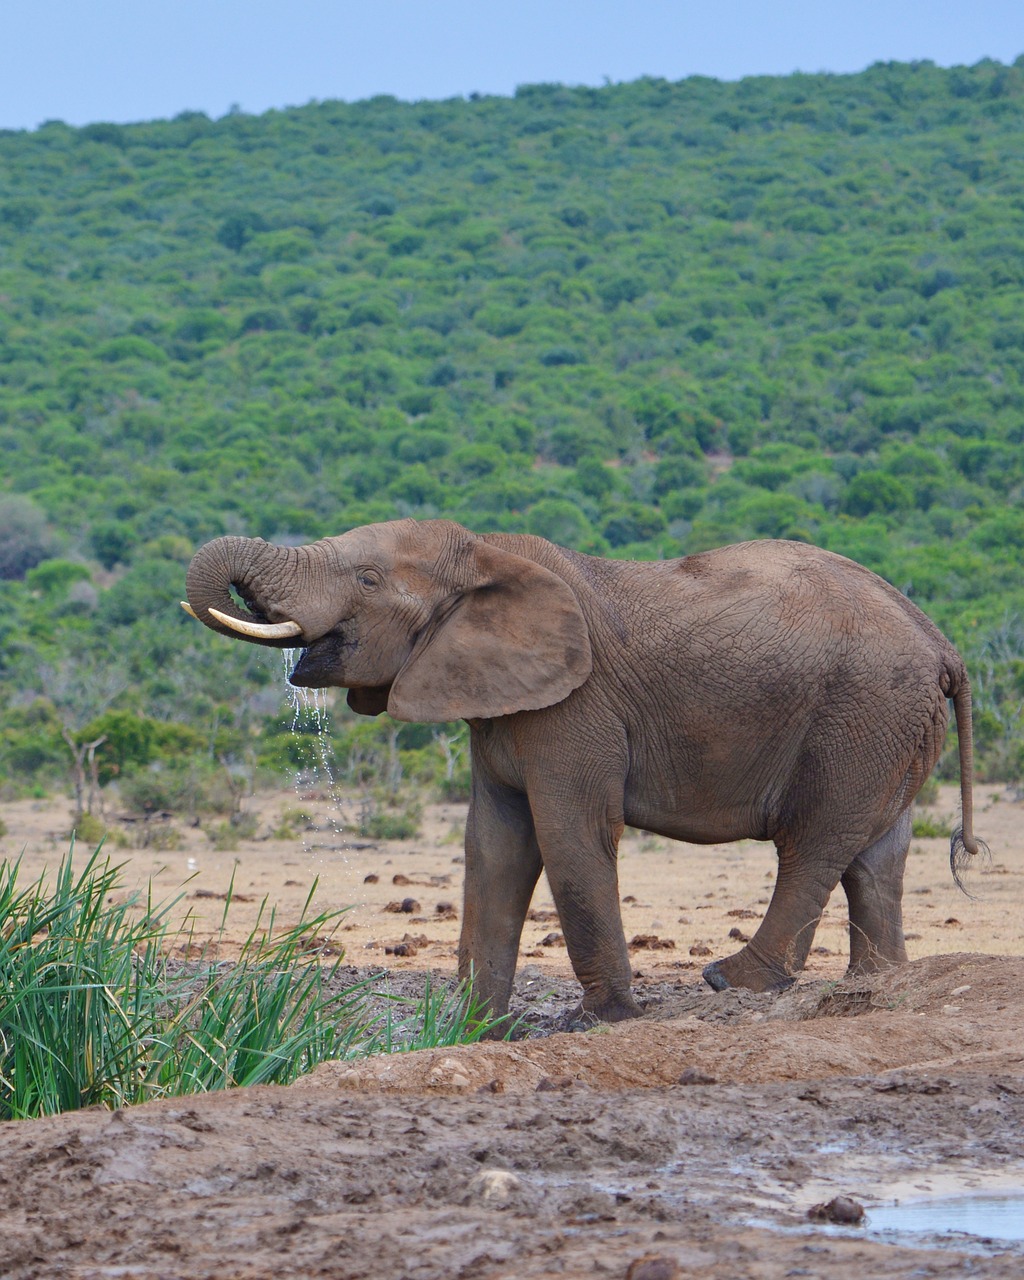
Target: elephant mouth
(321, 665)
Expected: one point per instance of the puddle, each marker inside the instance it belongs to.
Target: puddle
(990, 1217)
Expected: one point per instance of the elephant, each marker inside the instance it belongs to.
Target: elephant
(769, 690)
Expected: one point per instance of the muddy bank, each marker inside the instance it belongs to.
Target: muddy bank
(699, 1136)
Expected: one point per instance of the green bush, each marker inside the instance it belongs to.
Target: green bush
(90, 830)
(926, 827)
(187, 786)
(390, 819)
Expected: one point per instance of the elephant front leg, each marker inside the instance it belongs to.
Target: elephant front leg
(503, 863)
(580, 863)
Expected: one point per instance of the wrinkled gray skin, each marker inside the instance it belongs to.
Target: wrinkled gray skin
(767, 691)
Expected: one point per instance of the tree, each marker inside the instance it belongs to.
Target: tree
(25, 537)
(80, 691)
(872, 492)
(560, 521)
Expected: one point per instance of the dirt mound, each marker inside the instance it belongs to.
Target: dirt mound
(696, 1139)
(943, 1010)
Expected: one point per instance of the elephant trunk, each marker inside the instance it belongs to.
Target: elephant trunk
(263, 577)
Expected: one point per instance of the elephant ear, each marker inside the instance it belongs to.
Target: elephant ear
(514, 639)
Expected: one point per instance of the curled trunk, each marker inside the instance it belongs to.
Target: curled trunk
(262, 575)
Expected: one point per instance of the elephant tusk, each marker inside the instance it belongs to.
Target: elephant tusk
(258, 630)
(189, 610)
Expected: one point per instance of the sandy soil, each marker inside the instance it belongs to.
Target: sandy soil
(696, 1139)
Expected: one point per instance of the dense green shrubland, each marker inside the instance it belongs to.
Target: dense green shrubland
(639, 320)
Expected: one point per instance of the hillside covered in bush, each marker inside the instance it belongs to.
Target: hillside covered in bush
(640, 320)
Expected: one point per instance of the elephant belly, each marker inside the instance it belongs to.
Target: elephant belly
(698, 823)
(719, 787)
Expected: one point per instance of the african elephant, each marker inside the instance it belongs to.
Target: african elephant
(768, 690)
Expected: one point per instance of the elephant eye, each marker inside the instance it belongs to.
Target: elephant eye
(367, 578)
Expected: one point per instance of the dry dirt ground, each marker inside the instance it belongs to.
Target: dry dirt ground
(691, 1142)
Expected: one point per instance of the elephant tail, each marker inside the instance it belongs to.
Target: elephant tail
(964, 845)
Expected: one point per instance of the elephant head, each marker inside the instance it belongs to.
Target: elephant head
(419, 618)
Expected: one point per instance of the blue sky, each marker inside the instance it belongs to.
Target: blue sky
(122, 60)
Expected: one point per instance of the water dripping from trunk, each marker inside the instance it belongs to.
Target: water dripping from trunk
(309, 710)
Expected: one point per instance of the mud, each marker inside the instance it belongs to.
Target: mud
(693, 1142)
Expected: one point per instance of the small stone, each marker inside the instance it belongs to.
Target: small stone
(372, 878)
(841, 1210)
(651, 942)
(739, 935)
(699, 949)
(408, 906)
(448, 1073)
(496, 1187)
(400, 879)
(693, 1075)
(547, 1085)
(553, 940)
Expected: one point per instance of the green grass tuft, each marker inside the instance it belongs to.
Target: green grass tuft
(93, 1011)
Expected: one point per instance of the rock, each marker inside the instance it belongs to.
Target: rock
(449, 1074)
(842, 1210)
(408, 906)
(548, 1085)
(494, 1187)
(693, 1075)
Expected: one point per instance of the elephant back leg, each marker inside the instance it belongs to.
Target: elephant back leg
(778, 950)
(874, 890)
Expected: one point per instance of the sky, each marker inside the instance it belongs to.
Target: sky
(84, 61)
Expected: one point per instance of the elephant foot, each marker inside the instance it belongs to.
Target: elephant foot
(715, 978)
(873, 961)
(745, 970)
(608, 1009)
